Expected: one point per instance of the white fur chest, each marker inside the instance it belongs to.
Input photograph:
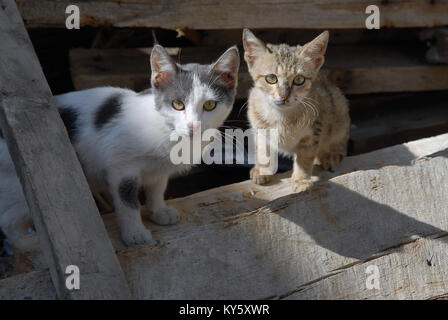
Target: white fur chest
(290, 132)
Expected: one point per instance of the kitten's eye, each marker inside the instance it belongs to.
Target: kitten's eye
(299, 80)
(209, 105)
(271, 78)
(178, 105)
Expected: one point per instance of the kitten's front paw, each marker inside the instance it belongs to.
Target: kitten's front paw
(166, 216)
(138, 236)
(258, 178)
(331, 161)
(300, 185)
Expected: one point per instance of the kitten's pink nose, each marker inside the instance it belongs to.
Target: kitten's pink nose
(192, 126)
(284, 98)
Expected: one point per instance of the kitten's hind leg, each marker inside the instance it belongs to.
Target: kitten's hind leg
(331, 155)
(330, 160)
(159, 212)
(124, 188)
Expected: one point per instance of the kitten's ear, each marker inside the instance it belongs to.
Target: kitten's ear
(253, 47)
(163, 68)
(226, 67)
(316, 49)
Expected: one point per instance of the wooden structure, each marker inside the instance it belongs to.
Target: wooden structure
(267, 243)
(237, 14)
(255, 242)
(67, 221)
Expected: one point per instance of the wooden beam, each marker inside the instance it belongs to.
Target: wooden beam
(356, 69)
(213, 204)
(34, 285)
(297, 239)
(426, 263)
(236, 14)
(299, 244)
(68, 224)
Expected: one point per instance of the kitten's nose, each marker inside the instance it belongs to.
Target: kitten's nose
(192, 127)
(284, 98)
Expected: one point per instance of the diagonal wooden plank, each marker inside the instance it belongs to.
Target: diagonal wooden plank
(70, 229)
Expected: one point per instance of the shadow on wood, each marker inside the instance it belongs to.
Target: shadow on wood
(299, 240)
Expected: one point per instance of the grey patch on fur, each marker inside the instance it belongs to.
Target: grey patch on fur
(128, 191)
(142, 195)
(182, 85)
(70, 118)
(107, 111)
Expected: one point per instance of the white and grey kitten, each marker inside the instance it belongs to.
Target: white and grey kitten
(122, 139)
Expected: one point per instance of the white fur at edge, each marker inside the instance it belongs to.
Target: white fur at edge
(138, 145)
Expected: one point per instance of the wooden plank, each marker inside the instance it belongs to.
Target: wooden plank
(236, 14)
(414, 271)
(217, 206)
(356, 69)
(65, 215)
(295, 239)
(229, 200)
(34, 285)
(298, 240)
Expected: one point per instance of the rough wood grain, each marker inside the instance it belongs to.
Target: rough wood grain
(235, 14)
(415, 271)
(229, 200)
(34, 285)
(356, 69)
(69, 227)
(296, 240)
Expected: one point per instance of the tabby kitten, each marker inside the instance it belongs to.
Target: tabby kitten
(290, 95)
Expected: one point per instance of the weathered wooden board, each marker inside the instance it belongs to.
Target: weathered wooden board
(356, 69)
(234, 14)
(417, 270)
(297, 240)
(69, 227)
(229, 200)
(35, 285)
